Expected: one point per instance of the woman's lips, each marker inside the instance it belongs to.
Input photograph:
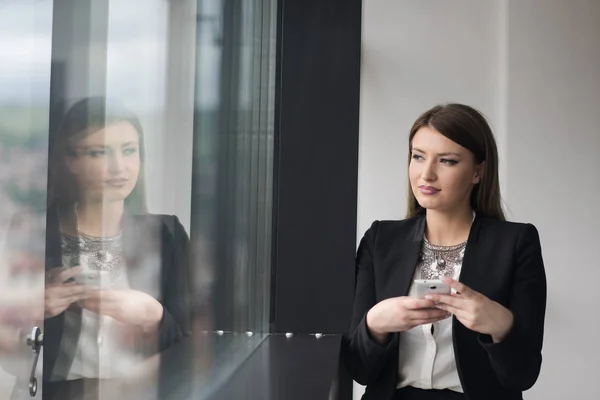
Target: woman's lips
(117, 182)
(428, 190)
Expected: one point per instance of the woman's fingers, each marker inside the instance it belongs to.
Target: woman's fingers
(65, 291)
(59, 298)
(460, 287)
(68, 274)
(448, 299)
(64, 301)
(449, 308)
(417, 304)
(59, 275)
(73, 290)
(98, 305)
(76, 297)
(92, 305)
(418, 322)
(426, 314)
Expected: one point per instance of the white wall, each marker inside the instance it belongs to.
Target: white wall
(533, 67)
(416, 54)
(554, 101)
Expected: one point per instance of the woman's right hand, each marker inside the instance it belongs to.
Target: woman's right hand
(399, 314)
(58, 295)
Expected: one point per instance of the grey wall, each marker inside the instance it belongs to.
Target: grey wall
(533, 67)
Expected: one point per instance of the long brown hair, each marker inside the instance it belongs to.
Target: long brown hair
(467, 127)
(89, 115)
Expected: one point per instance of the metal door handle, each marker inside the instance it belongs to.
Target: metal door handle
(35, 341)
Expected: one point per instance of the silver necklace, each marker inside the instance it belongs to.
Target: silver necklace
(436, 262)
(100, 253)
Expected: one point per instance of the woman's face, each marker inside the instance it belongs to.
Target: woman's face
(442, 173)
(106, 163)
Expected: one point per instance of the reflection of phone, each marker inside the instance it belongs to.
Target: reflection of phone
(91, 278)
(424, 287)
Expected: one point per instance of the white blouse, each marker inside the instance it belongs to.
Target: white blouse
(427, 359)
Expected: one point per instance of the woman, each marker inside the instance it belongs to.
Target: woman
(484, 340)
(116, 277)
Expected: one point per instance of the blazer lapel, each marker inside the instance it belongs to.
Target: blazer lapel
(471, 270)
(401, 262)
(58, 341)
(143, 241)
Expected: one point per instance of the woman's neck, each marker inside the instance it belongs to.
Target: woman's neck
(99, 218)
(448, 228)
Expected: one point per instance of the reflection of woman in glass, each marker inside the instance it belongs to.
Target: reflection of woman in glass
(116, 280)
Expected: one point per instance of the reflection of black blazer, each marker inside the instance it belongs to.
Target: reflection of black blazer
(141, 233)
(502, 260)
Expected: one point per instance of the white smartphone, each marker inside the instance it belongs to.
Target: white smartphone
(424, 287)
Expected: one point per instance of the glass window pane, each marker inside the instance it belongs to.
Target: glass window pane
(135, 192)
(25, 49)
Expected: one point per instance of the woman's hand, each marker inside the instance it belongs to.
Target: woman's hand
(475, 311)
(130, 307)
(400, 314)
(58, 296)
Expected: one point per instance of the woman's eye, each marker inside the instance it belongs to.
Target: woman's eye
(129, 151)
(416, 157)
(97, 153)
(449, 162)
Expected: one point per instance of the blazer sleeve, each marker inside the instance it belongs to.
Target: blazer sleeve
(176, 300)
(517, 359)
(364, 357)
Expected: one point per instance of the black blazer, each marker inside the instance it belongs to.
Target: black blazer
(160, 234)
(502, 260)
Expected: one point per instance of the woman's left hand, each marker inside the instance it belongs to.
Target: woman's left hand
(474, 310)
(131, 307)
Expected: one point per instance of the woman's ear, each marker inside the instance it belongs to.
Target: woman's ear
(479, 172)
(71, 165)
